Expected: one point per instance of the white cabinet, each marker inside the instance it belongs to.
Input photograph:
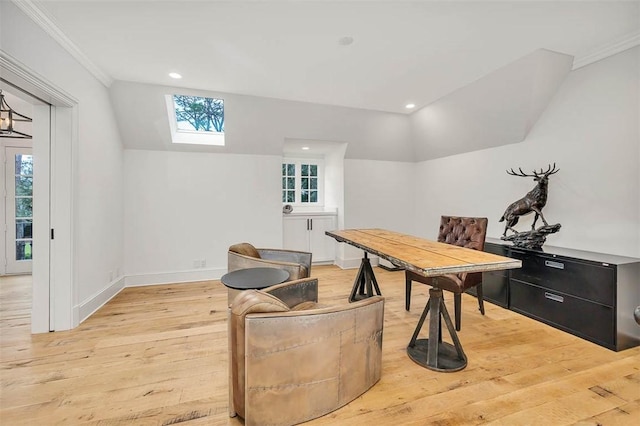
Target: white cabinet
(307, 233)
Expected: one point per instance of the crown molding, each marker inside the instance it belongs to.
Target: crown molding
(40, 17)
(620, 45)
(33, 82)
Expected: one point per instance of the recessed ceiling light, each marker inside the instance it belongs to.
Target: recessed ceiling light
(305, 148)
(345, 41)
(409, 106)
(174, 75)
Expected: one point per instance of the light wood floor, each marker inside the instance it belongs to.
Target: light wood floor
(158, 355)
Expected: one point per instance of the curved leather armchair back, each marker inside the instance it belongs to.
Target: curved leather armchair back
(292, 360)
(247, 302)
(245, 255)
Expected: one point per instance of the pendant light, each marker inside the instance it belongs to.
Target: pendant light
(8, 118)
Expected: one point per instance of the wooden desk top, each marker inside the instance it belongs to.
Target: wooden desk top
(424, 257)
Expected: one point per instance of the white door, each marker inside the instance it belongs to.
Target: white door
(307, 233)
(296, 233)
(322, 246)
(18, 210)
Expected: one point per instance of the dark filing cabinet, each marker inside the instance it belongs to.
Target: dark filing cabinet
(590, 295)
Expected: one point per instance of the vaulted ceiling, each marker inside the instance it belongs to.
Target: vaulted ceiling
(401, 51)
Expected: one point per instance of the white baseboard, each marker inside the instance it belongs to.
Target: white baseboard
(173, 277)
(323, 263)
(87, 308)
(95, 302)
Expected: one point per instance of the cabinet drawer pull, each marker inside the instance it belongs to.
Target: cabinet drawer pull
(552, 264)
(553, 297)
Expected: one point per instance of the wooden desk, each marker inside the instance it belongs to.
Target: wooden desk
(430, 259)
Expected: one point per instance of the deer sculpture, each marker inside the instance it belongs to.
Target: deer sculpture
(534, 201)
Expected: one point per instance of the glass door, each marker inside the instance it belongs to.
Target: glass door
(19, 210)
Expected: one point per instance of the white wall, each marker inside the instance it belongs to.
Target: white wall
(377, 194)
(256, 134)
(590, 130)
(163, 236)
(498, 109)
(182, 206)
(334, 181)
(97, 156)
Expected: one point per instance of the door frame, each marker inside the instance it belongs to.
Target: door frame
(54, 277)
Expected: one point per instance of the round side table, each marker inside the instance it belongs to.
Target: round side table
(252, 279)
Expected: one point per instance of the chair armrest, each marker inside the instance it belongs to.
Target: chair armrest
(299, 257)
(238, 261)
(295, 292)
(324, 309)
(302, 257)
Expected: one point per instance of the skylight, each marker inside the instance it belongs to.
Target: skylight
(196, 120)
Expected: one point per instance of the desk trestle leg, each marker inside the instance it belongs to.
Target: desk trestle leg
(433, 353)
(365, 282)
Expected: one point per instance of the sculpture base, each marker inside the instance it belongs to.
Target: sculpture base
(533, 239)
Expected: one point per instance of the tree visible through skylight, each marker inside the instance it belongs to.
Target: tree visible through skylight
(196, 113)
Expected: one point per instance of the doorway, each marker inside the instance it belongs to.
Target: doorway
(24, 205)
(17, 185)
(18, 201)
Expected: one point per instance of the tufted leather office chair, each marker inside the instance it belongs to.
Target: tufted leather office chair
(292, 360)
(469, 232)
(245, 255)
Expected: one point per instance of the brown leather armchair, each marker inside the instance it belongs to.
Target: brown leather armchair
(292, 360)
(245, 255)
(469, 232)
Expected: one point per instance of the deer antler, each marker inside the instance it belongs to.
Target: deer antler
(521, 174)
(550, 170)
